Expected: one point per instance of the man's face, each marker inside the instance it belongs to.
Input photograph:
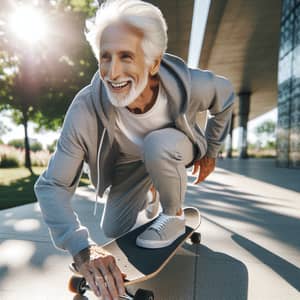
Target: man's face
(122, 64)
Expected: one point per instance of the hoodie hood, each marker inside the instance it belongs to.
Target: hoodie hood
(176, 79)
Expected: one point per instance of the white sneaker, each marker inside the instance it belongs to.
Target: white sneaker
(162, 232)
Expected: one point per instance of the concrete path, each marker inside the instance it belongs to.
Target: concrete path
(250, 245)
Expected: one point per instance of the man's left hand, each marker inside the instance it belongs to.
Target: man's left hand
(203, 168)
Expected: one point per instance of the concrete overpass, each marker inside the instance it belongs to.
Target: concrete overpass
(241, 42)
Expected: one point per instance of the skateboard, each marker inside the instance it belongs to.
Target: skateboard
(140, 264)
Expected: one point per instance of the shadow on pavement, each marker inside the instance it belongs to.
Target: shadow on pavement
(197, 272)
(263, 170)
(233, 208)
(25, 243)
(289, 272)
(218, 200)
(220, 276)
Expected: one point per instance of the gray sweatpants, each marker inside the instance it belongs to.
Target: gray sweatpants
(167, 152)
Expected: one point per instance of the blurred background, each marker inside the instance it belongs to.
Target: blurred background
(45, 60)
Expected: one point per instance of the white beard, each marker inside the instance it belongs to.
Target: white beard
(121, 100)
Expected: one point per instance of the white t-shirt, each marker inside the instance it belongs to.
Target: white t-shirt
(132, 128)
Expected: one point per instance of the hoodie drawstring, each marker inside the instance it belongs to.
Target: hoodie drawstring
(98, 170)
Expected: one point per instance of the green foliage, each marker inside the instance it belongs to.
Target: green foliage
(271, 145)
(17, 143)
(36, 146)
(9, 161)
(51, 148)
(86, 7)
(3, 128)
(72, 66)
(267, 127)
(16, 186)
(39, 83)
(11, 156)
(266, 135)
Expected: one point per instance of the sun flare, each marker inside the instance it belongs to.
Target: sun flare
(28, 24)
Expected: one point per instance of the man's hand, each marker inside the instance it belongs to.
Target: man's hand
(206, 166)
(102, 274)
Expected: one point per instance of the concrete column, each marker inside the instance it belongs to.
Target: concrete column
(200, 16)
(229, 138)
(244, 106)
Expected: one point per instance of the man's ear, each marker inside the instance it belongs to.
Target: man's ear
(155, 66)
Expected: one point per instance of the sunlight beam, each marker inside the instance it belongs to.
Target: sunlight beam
(28, 24)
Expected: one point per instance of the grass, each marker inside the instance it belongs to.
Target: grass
(16, 186)
(252, 153)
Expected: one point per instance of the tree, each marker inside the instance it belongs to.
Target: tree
(36, 146)
(38, 83)
(266, 133)
(3, 128)
(51, 148)
(17, 143)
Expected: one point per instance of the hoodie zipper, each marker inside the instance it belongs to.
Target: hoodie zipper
(98, 170)
(190, 131)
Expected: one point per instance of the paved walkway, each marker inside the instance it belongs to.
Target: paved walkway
(250, 242)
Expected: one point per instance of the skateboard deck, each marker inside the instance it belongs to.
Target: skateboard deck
(140, 264)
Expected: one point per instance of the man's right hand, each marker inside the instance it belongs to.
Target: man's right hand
(101, 272)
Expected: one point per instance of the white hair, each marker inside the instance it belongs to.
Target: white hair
(141, 15)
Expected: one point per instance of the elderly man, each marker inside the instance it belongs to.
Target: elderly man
(135, 126)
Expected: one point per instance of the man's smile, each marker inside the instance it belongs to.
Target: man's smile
(119, 86)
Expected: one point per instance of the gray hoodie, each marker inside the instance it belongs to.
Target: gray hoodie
(88, 136)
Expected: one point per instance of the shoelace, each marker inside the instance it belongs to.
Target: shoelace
(160, 222)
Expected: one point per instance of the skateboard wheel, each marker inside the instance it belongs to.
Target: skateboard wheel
(77, 285)
(143, 295)
(196, 238)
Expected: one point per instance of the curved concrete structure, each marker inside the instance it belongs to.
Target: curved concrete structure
(242, 43)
